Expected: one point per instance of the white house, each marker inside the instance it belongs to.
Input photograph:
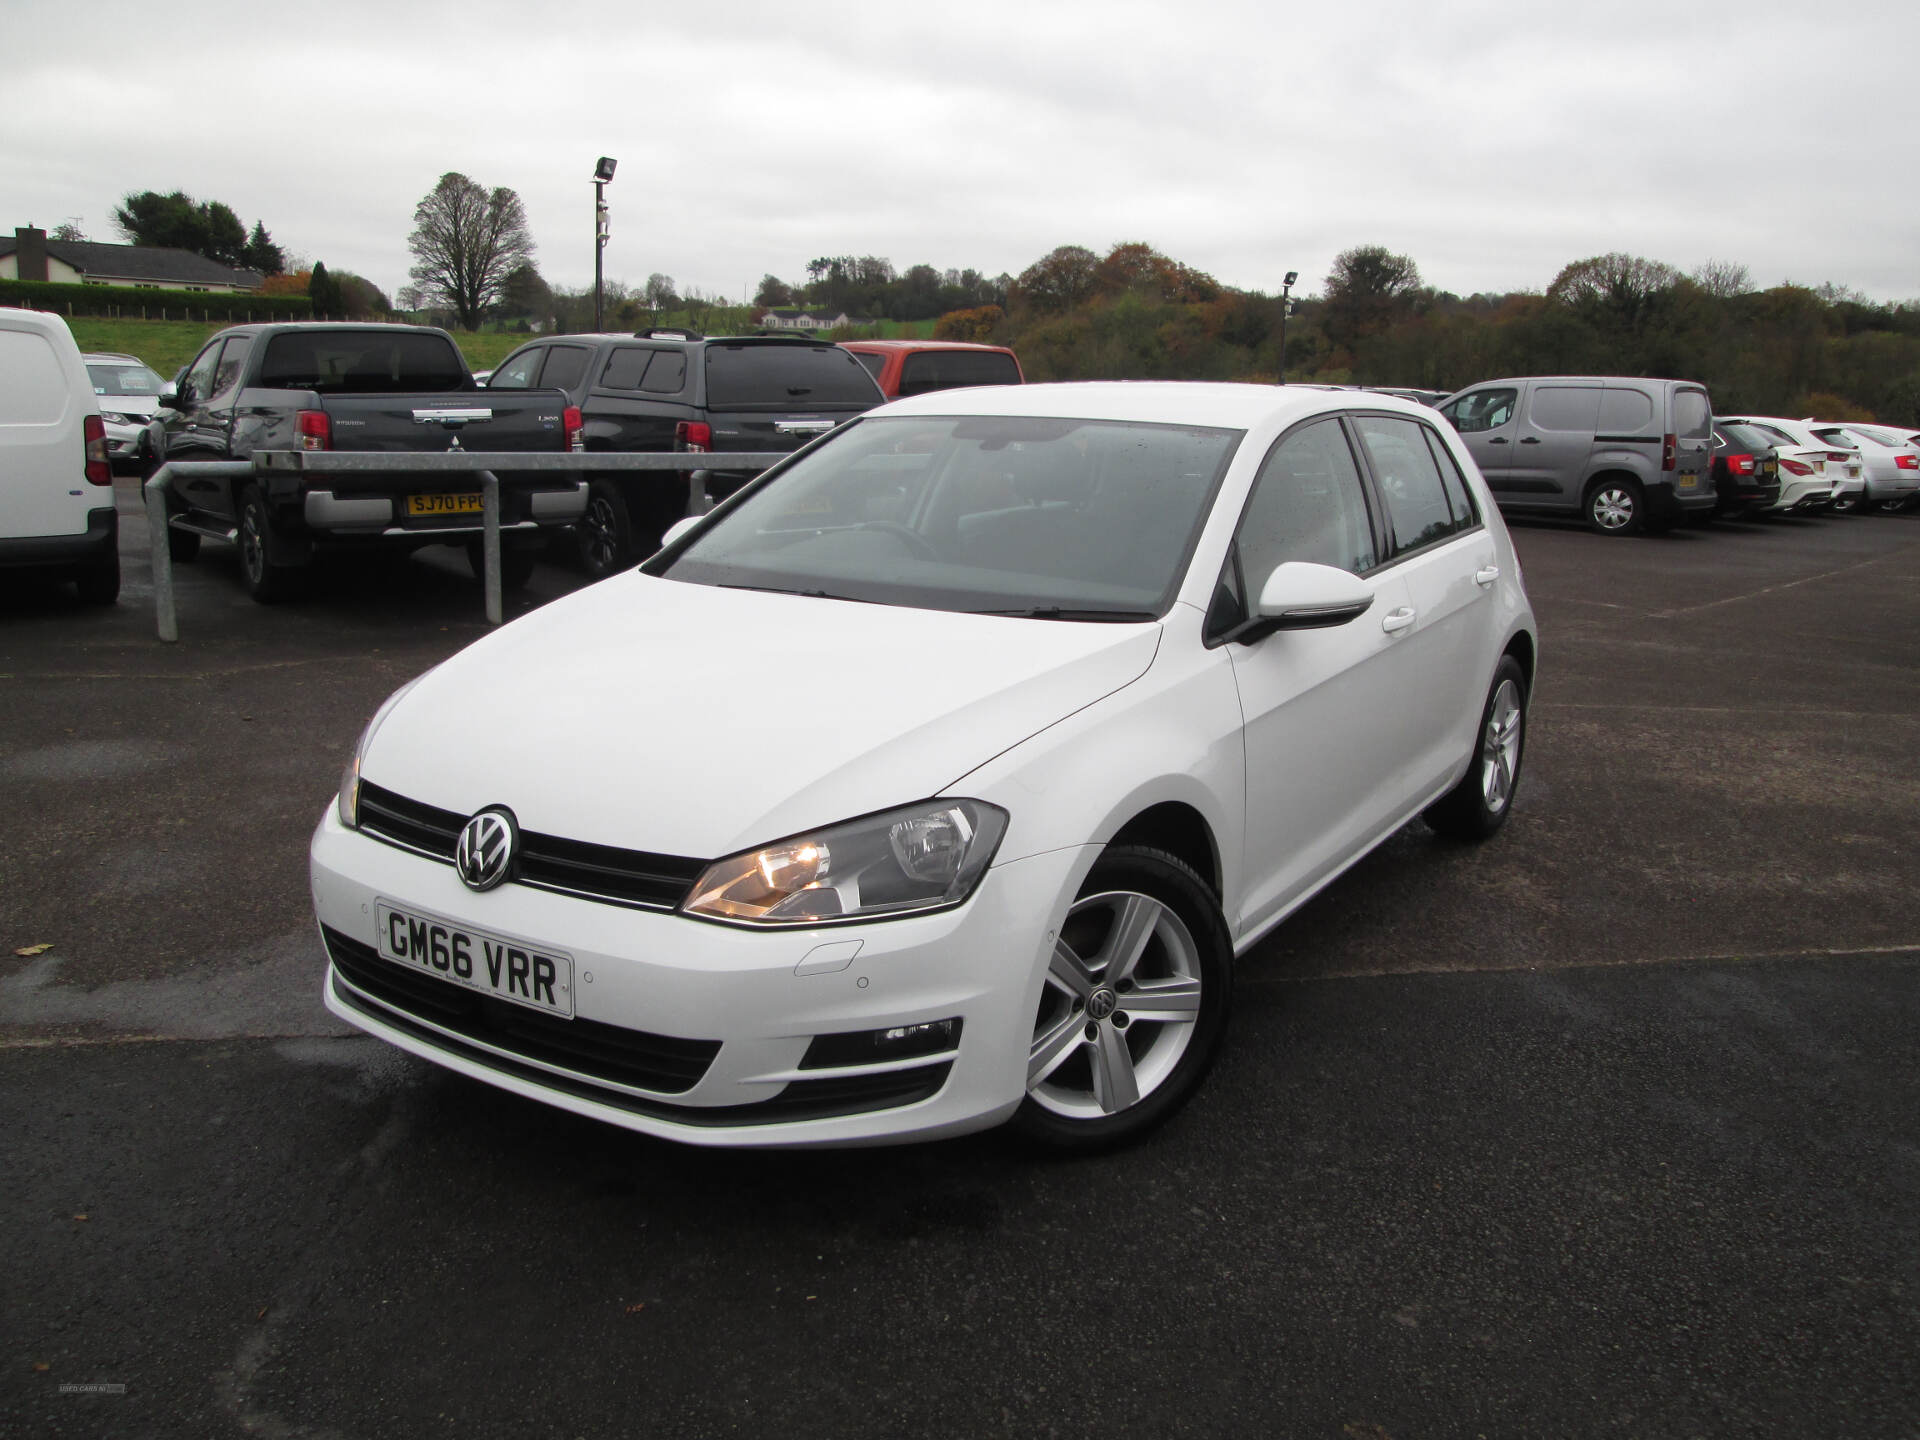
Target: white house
(30, 255)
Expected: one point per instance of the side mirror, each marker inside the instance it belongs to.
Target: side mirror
(679, 528)
(1303, 596)
(170, 396)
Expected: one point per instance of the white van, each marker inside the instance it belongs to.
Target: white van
(56, 482)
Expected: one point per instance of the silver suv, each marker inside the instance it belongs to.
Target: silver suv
(1626, 454)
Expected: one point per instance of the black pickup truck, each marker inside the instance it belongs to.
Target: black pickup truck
(383, 388)
(675, 390)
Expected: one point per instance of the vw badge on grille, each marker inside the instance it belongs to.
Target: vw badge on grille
(484, 855)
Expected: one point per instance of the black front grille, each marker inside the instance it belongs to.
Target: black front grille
(613, 1053)
(547, 862)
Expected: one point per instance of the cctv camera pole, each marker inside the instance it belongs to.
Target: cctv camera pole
(602, 173)
(1286, 309)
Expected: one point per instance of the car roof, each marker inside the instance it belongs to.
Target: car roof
(883, 347)
(1165, 402)
(111, 357)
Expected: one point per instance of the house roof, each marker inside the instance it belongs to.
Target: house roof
(142, 262)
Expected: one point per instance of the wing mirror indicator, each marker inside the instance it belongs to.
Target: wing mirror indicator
(1300, 595)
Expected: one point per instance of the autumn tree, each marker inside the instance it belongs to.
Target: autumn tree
(1138, 268)
(466, 241)
(1058, 281)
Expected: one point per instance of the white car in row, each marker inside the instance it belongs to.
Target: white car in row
(1891, 459)
(939, 777)
(1814, 472)
(127, 391)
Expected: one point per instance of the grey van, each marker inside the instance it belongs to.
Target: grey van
(1625, 453)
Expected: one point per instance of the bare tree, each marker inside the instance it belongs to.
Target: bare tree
(1724, 279)
(466, 241)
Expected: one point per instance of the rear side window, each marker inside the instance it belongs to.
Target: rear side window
(33, 387)
(565, 365)
(787, 377)
(1482, 410)
(874, 363)
(369, 361)
(1625, 412)
(667, 375)
(1564, 407)
(1692, 415)
(625, 367)
(929, 370)
(1418, 511)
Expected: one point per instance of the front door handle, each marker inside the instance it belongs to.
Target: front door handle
(1498, 440)
(1487, 575)
(1395, 621)
(1531, 440)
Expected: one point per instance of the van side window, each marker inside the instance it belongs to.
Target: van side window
(1625, 412)
(1418, 512)
(517, 373)
(1564, 407)
(1482, 410)
(1308, 504)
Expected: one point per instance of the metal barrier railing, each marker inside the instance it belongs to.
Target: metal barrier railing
(482, 465)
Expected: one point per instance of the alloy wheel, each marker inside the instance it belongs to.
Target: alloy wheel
(602, 537)
(1613, 508)
(1500, 752)
(1118, 1009)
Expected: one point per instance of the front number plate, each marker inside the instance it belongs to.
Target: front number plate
(527, 974)
(466, 504)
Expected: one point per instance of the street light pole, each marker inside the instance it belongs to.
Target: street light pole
(1286, 309)
(602, 173)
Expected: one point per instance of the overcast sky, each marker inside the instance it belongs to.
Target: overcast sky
(1492, 143)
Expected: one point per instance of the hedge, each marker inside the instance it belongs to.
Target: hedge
(151, 303)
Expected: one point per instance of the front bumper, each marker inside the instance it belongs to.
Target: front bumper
(751, 1000)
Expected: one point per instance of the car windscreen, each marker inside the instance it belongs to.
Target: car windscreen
(362, 361)
(929, 370)
(1057, 519)
(124, 380)
(778, 376)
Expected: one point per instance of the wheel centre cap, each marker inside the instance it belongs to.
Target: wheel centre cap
(1101, 1004)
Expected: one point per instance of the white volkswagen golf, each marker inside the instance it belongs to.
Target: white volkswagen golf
(937, 779)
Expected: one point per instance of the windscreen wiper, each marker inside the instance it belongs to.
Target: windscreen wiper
(807, 594)
(1066, 612)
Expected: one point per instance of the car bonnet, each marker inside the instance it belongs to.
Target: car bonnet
(691, 720)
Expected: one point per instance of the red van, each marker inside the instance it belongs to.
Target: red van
(914, 367)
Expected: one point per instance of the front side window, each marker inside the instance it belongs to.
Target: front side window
(1055, 519)
(200, 378)
(1307, 504)
(518, 371)
(233, 359)
(1418, 512)
(1482, 410)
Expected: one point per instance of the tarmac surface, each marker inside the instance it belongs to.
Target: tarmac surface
(1607, 1127)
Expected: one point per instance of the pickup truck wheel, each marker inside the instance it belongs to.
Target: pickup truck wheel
(266, 582)
(605, 532)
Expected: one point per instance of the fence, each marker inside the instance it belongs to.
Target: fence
(482, 466)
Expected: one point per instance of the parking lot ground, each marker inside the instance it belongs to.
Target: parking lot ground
(1604, 1128)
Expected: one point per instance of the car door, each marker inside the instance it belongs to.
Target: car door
(1446, 557)
(1693, 440)
(194, 433)
(1324, 712)
(1551, 442)
(1485, 420)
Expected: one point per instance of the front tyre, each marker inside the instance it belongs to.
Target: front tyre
(1480, 803)
(1134, 1005)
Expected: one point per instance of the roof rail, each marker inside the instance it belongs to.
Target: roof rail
(668, 332)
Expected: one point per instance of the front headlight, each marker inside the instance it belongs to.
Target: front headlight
(901, 862)
(346, 802)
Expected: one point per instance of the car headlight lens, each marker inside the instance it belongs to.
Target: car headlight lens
(901, 862)
(346, 802)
